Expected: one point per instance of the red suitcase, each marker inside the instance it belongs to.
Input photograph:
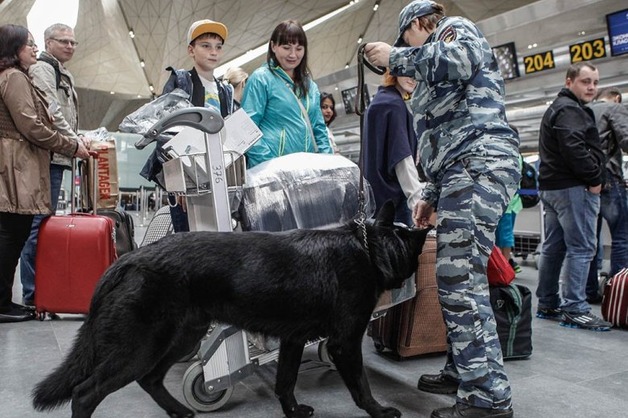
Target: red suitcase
(73, 251)
(615, 302)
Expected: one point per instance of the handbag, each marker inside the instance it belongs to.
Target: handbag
(499, 271)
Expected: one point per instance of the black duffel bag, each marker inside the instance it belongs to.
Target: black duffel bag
(512, 306)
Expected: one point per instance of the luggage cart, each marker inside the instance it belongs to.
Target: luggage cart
(227, 354)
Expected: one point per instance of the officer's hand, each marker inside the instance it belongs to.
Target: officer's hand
(377, 53)
(423, 214)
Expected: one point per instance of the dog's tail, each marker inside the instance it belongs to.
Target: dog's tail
(56, 389)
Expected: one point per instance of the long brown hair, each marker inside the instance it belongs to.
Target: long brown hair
(14, 37)
(291, 32)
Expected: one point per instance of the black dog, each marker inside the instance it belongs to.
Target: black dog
(154, 304)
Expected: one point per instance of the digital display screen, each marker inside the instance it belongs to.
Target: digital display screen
(506, 57)
(349, 95)
(617, 25)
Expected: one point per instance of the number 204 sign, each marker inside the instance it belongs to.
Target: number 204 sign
(539, 62)
(588, 50)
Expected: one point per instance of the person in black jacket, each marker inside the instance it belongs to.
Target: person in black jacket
(571, 176)
(612, 123)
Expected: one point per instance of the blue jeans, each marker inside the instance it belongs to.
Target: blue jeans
(614, 209)
(27, 257)
(570, 217)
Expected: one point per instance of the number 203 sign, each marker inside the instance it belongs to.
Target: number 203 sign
(588, 50)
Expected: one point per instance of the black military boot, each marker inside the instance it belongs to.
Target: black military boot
(437, 383)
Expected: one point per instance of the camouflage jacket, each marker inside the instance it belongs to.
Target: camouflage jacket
(458, 104)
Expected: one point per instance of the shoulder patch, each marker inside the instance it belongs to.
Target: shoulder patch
(448, 35)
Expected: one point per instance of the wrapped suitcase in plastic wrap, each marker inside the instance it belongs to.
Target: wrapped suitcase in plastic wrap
(306, 190)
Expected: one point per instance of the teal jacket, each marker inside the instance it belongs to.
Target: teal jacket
(270, 102)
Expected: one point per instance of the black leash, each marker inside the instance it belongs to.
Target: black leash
(360, 107)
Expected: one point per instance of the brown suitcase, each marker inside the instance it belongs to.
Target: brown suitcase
(416, 326)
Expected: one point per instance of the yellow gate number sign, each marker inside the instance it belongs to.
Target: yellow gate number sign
(539, 62)
(588, 50)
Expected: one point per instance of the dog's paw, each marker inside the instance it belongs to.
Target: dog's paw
(388, 412)
(188, 414)
(300, 411)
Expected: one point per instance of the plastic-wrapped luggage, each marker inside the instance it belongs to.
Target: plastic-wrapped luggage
(301, 190)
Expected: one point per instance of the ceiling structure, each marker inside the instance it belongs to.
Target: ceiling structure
(112, 81)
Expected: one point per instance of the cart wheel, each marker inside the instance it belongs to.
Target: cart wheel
(41, 315)
(379, 347)
(197, 396)
(323, 354)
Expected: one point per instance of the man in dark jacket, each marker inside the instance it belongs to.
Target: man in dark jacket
(571, 176)
(611, 118)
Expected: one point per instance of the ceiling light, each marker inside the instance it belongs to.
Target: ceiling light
(151, 88)
(360, 40)
(376, 7)
(131, 33)
(582, 33)
(112, 92)
(142, 64)
(347, 65)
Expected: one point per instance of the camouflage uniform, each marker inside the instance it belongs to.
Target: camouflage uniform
(469, 157)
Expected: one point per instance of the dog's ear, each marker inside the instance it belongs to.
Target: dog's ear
(386, 214)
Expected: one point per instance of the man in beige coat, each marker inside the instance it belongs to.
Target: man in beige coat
(50, 76)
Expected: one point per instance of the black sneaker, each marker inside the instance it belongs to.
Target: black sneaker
(553, 314)
(514, 265)
(438, 383)
(16, 315)
(585, 320)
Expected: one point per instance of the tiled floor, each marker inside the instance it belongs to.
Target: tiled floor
(571, 374)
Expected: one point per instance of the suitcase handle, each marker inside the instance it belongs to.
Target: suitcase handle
(204, 119)
(93, 157)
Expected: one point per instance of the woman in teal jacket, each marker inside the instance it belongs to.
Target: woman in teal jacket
(272, 96)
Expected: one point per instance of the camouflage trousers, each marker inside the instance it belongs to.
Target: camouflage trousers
(473, 195)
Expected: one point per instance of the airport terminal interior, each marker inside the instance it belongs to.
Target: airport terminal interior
(125, 46)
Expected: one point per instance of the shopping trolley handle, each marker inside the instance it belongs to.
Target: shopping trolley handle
(205, 119)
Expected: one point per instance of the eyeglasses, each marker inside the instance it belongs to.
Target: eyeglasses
(68, 42)
(32, 44)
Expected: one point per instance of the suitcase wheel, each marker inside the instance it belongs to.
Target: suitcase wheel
(379, 347)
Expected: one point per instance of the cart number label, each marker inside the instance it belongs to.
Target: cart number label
(218, 172)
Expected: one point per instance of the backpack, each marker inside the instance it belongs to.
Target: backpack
(55, 65)
(529, 186)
